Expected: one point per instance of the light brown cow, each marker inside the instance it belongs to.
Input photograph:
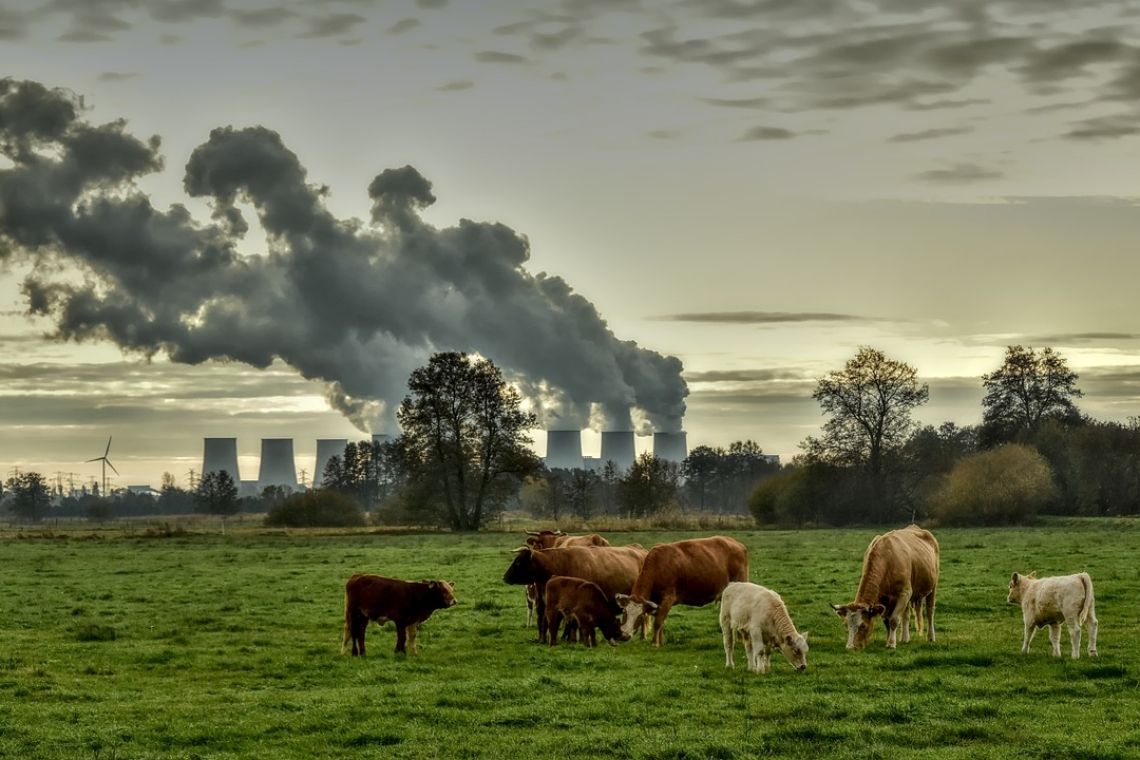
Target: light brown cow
(900, 571)
(406, 603)
(583, 604)
(692, 572)
(613, 568)
(760, 617)
(1051, 601)
(554, 539)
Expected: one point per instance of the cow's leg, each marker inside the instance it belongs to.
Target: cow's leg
(589, 635)
(1075, 638)
(729, 637)
(751, 647)
(529, 591)
(1055, 638)
(553, 620)
(412, 637)
(1092, 624)
(906, 624)
(401, 639)
(766, 659)
(1027, 639)
(895, 617)
(930, 615)
(659, 621)
(359, 627)
(540, 610)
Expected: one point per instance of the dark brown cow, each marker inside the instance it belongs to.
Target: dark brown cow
(405, 603)
(900, 572)
(554, 539)
(691, 572)
(613, 568)
(582, 603)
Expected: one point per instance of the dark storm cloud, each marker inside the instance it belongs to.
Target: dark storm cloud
(960, 173)
(938, 105)
(1105, 127)
(759, 317)
(260, 18)
(768, 133)
(929, 134)
(332, 25)
(403, 25)
(174, 11)
(354, 306)
(13, 24)
(430, 4)
(495, 56)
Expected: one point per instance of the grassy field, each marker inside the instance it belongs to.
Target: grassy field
(202, 646)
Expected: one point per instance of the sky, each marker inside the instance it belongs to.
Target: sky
(749, 190)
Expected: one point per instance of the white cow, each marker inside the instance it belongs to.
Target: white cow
(761, 618)
(1051, 601)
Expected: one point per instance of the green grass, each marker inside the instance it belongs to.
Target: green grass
(193, 645)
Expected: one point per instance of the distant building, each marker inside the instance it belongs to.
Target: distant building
(143, 491)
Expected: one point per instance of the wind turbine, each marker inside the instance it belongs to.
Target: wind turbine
(106, 463)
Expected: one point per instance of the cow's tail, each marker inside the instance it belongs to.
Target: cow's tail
(1086, 581)
(347, 625)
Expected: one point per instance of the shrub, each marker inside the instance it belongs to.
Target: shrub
(316, 509)
(1004, 486)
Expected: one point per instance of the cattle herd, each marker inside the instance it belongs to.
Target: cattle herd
(586, 585)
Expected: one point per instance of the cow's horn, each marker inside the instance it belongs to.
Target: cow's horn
(520, 549)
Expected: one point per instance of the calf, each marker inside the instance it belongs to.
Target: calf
(760, 616)
(1051, 601)
(554, 539)
(405, 603)
(581, 602)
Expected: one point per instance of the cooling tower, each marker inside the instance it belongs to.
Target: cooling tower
(670, 446)
(564, 449)
(277, 466)
(617, 447)
(220, 454)
(327, 448)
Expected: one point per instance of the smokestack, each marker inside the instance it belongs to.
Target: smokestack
(671, 447)
(220, 455)
(327, 448)
(277, 466)
(564, 449)
(617, 447)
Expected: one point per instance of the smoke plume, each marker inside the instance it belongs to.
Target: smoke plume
(352, 304)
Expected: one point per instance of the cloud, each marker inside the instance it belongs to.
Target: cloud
(355, 305)
(748, 375)
(494, 56)
(403, 25)
(332, 25)
(768, 133)
(459, 85)
(431, 4)
(174, 11)
(117, 76)
(959, 173)
(759, 317)
(929, 134)
(749, 103)
(666, 134)
(1105, 128)
(260, 18)
(1064, 339)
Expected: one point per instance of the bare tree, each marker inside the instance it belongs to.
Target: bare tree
(1029, 387)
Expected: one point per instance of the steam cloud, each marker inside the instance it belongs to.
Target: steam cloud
(357, 306)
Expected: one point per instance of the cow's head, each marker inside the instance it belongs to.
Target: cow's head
(522, 570)
(542, 539)
(633, 612)
(795, 648)
(860, 620)
(1017, 585)
(610, 624)
(444, 593)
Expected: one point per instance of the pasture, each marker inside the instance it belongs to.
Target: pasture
(203, 646)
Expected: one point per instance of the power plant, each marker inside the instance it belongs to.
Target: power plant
(618, 447)
(327, 448)
(277, 465)
(564, 449)
(672, 447)
(220, 455)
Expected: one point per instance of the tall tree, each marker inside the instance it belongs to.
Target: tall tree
(217, 494)
(30, 496)
(869, 404)
(1030, 387)
(465, 426)
(649, 486)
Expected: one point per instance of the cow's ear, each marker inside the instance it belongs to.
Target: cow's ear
(789, 640)
(521, 549)
(805, 635)
(1014, 578)
(621, 598)
(840, 609)
(559, 533)
(1033, 574)
(878, 609)
(450, 584)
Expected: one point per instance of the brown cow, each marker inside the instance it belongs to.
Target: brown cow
(900, 572)
(691, 572)
(583, 603)
(405, 603)
(613, 568)
(554, 539)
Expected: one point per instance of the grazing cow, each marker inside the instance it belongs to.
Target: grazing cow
(1051, 601)
(900, 572)
(691, 572)
(554, 539)
(761, 618)
(613, 568)
(583, 603)
(405, 603)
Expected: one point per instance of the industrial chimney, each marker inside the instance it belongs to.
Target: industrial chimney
(327, 448)
(277, 466)
(220, 455)
(617, 447)
(564, 449)
(671, 447)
